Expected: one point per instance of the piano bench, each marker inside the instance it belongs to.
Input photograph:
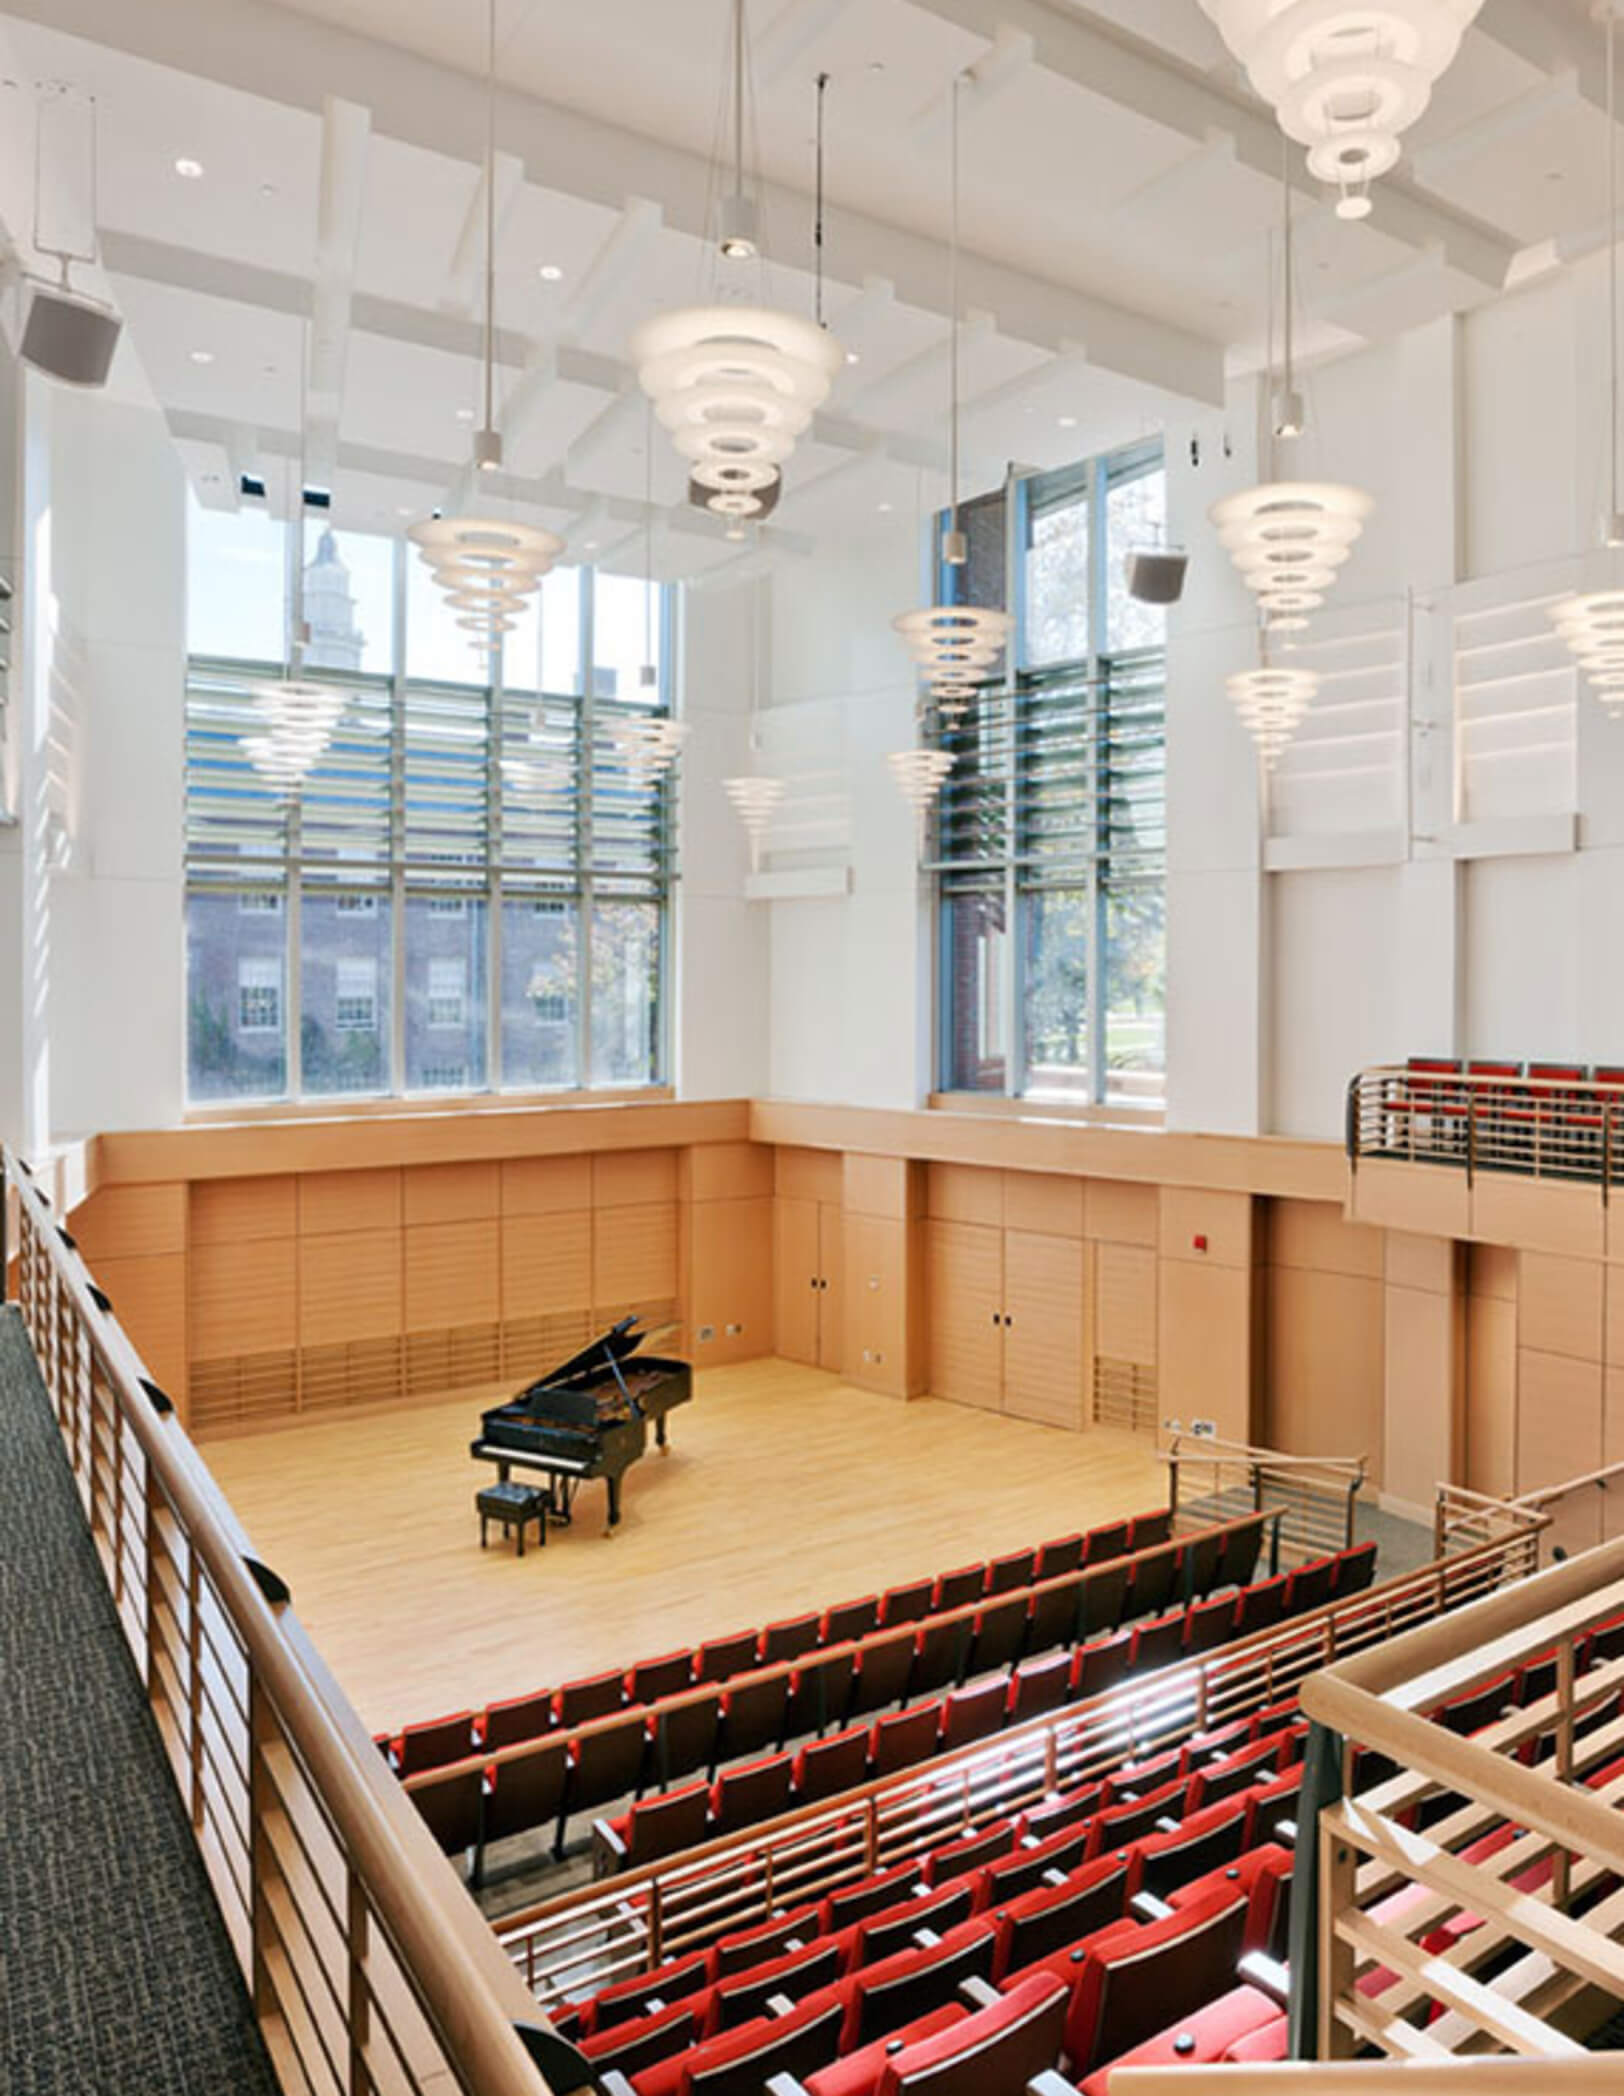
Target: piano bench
(513, 1505)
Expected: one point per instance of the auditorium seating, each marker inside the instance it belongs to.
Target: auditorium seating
(734, 1750)
(956, 1972)
(1544, 1117)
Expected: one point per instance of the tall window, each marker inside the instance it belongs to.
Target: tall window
(1051, 838)
(471, 891)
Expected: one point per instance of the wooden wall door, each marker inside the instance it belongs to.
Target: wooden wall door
(795, 1279)
(831, 1289)
(809, 1274)
(965, 1264)
(1043, 1332)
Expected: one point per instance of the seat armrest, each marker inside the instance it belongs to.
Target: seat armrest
(1054, 1877)
(926, 1939)
(1268, 1975)
(1285, 1832)
(608, 1850)
(613, 2082)
(979, 1993)
(1167, 1824)
(1145, 1906)
(779, 2005)
(1049, 2083)
(779, 2085)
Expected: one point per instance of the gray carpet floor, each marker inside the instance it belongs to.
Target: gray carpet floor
(116, 1975)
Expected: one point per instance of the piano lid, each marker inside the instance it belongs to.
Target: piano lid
(616, 1344)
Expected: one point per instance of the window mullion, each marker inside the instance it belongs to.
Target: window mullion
(495, 703)
(1016, 519)
(586, 743)
(397, 834)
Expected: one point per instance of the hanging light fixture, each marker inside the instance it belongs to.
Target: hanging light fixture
(1345, 77)
(648, 746)
(920, 775)
(954, 646)
(487, 566)
(1271, 704)
(1592, 622)
(1289, 538)
(756, 797)
(736, 384)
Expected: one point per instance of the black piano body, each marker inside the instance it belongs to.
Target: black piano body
(587, 1418)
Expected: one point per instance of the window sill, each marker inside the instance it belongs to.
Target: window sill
(998, 1107)
(235, 1114)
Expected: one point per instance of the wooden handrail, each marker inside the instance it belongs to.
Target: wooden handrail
(853, 1648)
(1599, 2074)
(1265, 1458)
(463, 1985)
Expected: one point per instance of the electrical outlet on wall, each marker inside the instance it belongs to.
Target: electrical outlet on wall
(706, 1332)
(1207, 1428)
(733, 1331)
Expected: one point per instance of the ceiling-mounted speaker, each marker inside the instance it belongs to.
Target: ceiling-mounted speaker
(67, 335)
(1157, 578)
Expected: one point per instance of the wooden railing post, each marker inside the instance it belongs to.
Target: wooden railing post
(194, 1684)
(1314, 1879)
(357, 1923)
(1562, 1863)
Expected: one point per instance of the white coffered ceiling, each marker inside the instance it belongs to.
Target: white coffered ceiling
(1119, 187)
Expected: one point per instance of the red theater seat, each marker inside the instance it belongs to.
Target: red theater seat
(1096, 1668)
(1355, 1570)
(1202, 1841)
(906, 1604)
(971, 1853)
(881, 1675)
(973, 1713)
(753, 1715)
(1157, 1644)
(1262, 1606)
(1145, 1531)
(717, 1658)
(1052, 1616)
(994, 2052)
(819, 1695)
(1309, 1587)
(830, 1766)
(526, 1793)
(578, 1702)
(685, 1739)
(852, 1619)
(1109, 1540)
(1038, 1686)
(741, 2062)
(788, 1639)
(1222, 1778)
(1064, 1554)
(519, 1718)
(1209, 1625)
(743, 1797)
(635, 2045)
(998, 1636)
(911, 1984)
(869, 1896)
(940, 1650)
(654, 1678)
(858, 2072)
(1132, 1984)
(903, 1740)
(767, 1939)
(1202, 2038)
(1008, 1877)
(959, 1588)
(796, 1975)
(1005, 1574)
(453, 1810)
(894, 1928)
(654, 1828)
(1120, 1824)
(434, 1743)
(677, 1980)
(1049, 1917)
(1263, 1875)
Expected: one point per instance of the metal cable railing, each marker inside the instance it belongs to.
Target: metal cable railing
(1212, 1480)
(369, 1967)
(1434, 1112)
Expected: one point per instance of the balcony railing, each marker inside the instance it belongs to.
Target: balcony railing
(1542, 1127)
(370, 1967)
(1214, 1480)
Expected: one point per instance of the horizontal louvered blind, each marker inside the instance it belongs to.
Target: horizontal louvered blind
(629, 847)
(236, 825)
(541, 792)
(447, 782)
(345, 810)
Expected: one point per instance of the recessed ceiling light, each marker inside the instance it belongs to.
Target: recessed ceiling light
(550, 272)
(1068, 422)
(267, 189)
(465, 414)
(589, 545)
(191, 169)
(202, 356)
(854, 356)
(883, 507)
(403, 509)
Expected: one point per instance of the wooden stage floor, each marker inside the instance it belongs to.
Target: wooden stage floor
(785, 1489)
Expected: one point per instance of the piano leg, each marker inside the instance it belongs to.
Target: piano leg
(614, 1505)
(659, 1435)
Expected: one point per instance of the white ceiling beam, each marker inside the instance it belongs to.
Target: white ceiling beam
(615, 268)
(279, 54)
(908, 394)
(1171, 185)
(1101, 59)
(1497, 128)
(608, 430)
(792, 32)
(463, 273)
(346, 130)
(1072, 363)
(859, 316)
(1006, 58)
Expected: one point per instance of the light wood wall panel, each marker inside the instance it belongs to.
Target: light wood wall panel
(243, 1296)
(881, 1186)
(334, 1202)
(546, 1263)
(1325, 1365)
(452, 1193)
(1491, 1384)
(965, 1289)
(1538, 1214)
(726, 1172)
(634, 1178)
(1043, 1202)
(148, 1294)
(1423, 1392)
(547, 1186)
(1312, 1236)
(130, 1222)
(1612, 1449)
(1204, 1345)
(634, 1255)
(1421, 1262)
(1125, 1303)
(1119, 1211)
(796, 1322)
(243, 1211)
(1560, 1305)
(808, 1175)
(351, 1286)
(453, 1275)
(964, 1193)
(1560, 1435)
(878, 1305)
(1223, 1220)
(731, 1283)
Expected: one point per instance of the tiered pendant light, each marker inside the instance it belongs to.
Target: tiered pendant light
(299, 721)
(920, 775)
(756, 797)
(954, 646)
(736, 384)
(1271, 704)
(1289, 540)
(1345, 77)
(488, 565)
(1592, 623)
(648, 745)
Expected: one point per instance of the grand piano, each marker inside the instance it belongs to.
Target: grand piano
(588, 1418)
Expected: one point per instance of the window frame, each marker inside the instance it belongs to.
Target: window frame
(492, 882)
(1091, 481)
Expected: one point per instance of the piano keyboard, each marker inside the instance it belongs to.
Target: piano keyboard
(522, 1459)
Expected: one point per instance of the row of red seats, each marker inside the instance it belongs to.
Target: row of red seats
(469, 1810)
(437, 1741)
(1009, 1905)
(762, 1790)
